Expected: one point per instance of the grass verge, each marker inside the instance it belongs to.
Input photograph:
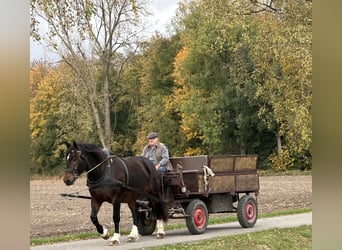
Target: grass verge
(287, 238)
(217, 220)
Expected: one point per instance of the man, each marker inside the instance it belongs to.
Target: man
(157, 152)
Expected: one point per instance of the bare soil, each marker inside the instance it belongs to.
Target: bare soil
(53, 215)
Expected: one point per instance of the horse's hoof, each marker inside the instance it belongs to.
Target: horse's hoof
(105, 234)
(160, 236)
(113, 243)
(106, 237)
(132, 239)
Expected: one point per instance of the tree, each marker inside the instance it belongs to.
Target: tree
(89, 35)
(156, 79)
(45, 90)
(216, 94)
(245, 74)
(283, 58)
(53, 115)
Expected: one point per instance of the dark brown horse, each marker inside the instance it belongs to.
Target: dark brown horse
(115, 180)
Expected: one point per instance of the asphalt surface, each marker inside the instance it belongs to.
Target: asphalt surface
(182, 235)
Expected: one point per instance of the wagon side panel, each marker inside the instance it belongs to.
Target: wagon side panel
(233, 174)
(247, 183)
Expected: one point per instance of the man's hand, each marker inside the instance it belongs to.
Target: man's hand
(158, 166)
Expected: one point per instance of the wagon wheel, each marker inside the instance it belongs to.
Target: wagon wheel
(146, 223)
(197, 221)
(247, 211)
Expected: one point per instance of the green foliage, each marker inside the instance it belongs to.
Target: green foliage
(234, 79)
(282, 55)
(243, 69)
(156, 80)
(55, 116)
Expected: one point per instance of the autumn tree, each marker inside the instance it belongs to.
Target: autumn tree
(89, 36)
(283, 58)
(54, 117)
(216, 93)
(155, 64)
(244, 77)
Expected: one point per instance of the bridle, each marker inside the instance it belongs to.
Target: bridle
(80, 156)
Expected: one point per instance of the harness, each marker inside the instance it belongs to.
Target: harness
(107, 178)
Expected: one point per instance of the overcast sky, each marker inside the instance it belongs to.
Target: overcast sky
(163, 11)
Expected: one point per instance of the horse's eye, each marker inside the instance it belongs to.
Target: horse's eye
(71, 156)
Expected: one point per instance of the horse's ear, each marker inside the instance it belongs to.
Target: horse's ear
(68, 145)
(75, 145)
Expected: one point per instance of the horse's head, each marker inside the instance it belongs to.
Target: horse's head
(75, 163)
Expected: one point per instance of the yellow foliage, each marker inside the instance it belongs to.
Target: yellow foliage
(179, 59)
(284, 161)
(193, 151)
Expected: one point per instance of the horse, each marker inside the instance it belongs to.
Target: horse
(116, 180)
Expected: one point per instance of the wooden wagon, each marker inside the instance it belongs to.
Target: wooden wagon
(200, 185)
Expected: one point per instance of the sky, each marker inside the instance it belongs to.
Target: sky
(163, 11)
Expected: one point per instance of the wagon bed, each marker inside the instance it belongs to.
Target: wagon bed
(200, 185)
(232, 174)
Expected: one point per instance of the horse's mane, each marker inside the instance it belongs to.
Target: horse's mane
(89, 147)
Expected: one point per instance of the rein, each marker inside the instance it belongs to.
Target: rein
(93, 168)
(117, 182)
(108, 158)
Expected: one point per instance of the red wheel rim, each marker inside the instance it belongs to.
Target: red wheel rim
(250, 212)
(199, 217)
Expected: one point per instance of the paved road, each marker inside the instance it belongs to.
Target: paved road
(183, 235)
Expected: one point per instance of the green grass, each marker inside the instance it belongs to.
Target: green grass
(288, 238)
(50, 240)
(217, 220)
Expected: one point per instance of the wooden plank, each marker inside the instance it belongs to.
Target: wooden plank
(222, 184)
(194, 181)
(248, 182)
(245, 163)
(222, 163)
(190, 162)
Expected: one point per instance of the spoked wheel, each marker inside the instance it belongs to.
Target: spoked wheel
(197, 221)
(247, 211)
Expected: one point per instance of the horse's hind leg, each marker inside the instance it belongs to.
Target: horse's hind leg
(103, 231)
(116, 218)
(160, 229)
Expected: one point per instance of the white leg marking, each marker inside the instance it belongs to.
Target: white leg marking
(115, 239)
(160, 229)
(134, 235)
(105, 233)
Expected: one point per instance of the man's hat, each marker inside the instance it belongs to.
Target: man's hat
(152, 135)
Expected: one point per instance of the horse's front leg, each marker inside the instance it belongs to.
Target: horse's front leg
(134, 234)
(103, 231)
(116, 218)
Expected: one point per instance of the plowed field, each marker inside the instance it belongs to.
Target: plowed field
(53, 215)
